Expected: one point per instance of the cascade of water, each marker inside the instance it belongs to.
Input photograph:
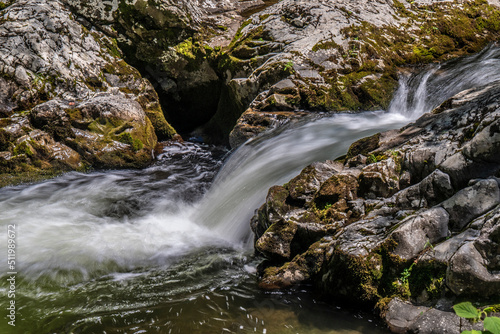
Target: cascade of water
(139, 251)
(420, 93)
(252, 169)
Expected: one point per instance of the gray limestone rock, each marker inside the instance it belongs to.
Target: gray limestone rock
(471, 202)
(418, 231)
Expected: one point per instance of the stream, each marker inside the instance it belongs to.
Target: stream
(168, 249)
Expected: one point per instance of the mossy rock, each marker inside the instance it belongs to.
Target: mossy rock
(364, 146)
(337, 187)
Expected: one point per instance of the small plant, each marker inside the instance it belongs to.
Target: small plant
(428, 245)
(491, 325)
(289, 66)
(372, 158)
(405, 275)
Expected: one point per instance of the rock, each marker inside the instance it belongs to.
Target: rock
(400, 315)
(337, 187)
(474, 268)
(403, 317)
(435, 322)
(272, 211)
(276, 241)
(418, 231)
(175, 44)
(304, 187)
(432, 190)
(71, 78)
(107, 130)
(485, 145)
(380, 179)
(471, 202)
(253, 123)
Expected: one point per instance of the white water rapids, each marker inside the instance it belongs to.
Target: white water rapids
(81, 227)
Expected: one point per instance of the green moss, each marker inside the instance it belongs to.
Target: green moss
(135, 144)
(162, 128)
(186, 48)
(23, 148)
(5, 140)
(325, 45)
(429, 277)
(357, 277)
(122, 69)
(239, 34)
(263, 17)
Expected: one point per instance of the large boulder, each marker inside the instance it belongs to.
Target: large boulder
(67, 99)
(324, 56)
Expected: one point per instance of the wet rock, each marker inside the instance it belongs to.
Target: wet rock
(272, 211)
(253, 123)
(276, 241)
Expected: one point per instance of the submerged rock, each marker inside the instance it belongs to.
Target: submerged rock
(425, 232)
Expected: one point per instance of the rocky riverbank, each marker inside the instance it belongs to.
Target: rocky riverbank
(407, 222)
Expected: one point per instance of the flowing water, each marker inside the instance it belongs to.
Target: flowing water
(166, 249)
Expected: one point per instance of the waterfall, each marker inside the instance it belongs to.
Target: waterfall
(242, 184)
(124, 219)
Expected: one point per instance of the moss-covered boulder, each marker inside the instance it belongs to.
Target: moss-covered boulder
(108, 131)
(65, 88)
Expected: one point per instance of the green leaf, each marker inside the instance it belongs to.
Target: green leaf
(466, 310)
(492, 324)
(473, 332)
(489, 309)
